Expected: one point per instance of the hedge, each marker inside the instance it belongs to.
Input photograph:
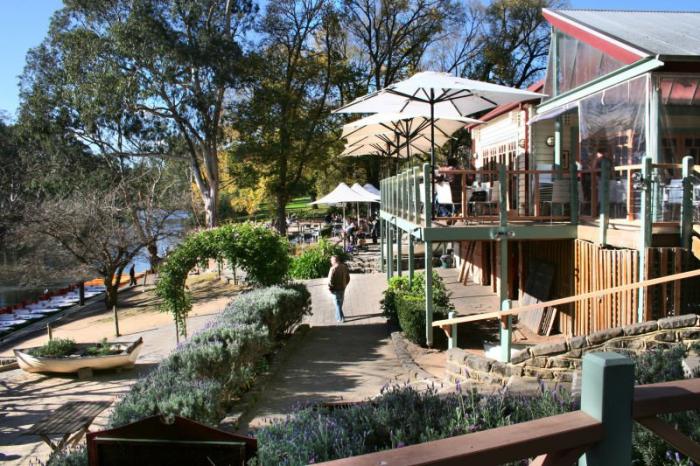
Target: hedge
(202, 377)
(411, 316)
(399, 286)
(315, 261)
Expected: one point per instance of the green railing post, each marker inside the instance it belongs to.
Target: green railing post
(687, 204)
(389, 250)
(402, 193)
(604, 210)
(645, 230)
(428, 289)
(506, 326)
(382, 243)
(416, 196)
(428, 204)
(399, 255)
(452, 341)
(573, 172)
(411, 258)
(607, 391)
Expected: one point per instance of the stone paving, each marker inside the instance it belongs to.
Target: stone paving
(350, 361)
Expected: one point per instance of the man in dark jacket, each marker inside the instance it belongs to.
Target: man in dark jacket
(338, 279)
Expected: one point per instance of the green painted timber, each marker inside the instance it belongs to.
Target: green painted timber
(604, 212)
(452, 340)
(591, 87)
(411, 258)
(607, 392)
(428, 204)
(399, 255)
(687, 204)
(557, 147)
(573, 174)
(428, 255)
(389, 250)
(645, 230)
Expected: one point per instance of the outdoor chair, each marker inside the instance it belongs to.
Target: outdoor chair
(560, 195)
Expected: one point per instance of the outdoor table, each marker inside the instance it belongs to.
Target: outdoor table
(71, 419)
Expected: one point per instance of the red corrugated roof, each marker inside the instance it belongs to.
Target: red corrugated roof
(501, 109)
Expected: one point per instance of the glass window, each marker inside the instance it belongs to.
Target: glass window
(679, 112)
(579, 63)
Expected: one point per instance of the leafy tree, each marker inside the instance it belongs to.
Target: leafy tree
(283, 115)
(145, 77)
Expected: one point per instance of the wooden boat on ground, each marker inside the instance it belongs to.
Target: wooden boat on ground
(128, 352)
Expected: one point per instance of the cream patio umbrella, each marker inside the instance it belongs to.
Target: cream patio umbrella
(439, 95)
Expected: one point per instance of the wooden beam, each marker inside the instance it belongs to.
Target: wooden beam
(570, 299)
(674, 438)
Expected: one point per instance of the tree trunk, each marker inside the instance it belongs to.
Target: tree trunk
(281, 211)
(112, 281)
(153, 258)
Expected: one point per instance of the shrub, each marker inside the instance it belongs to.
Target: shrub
(261, 252)
(76, 456)
(411, 317)
(401, 416)
(202, 377)
(58, 348)
(103, 348)
(314, 262)
(399, 286)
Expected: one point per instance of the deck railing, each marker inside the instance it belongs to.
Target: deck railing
(600, 433)
(604, 193)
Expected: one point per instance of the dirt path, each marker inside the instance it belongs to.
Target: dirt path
(26, 398)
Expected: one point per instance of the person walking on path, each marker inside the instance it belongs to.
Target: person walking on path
(132, 276)
(338, 279)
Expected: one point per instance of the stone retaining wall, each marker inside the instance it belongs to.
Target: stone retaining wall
(558, 361)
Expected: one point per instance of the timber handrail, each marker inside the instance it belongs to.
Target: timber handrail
(556, 440)
(567, 300)
(568, 431)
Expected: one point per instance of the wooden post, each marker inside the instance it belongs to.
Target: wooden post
(145, 278)
(411, 258)
(452, 340)
(687, 204)
(645, 231)
(604, 204)
(49, 330)
(382, 243)
(428, 290)
(81, 293)
(607, 391)
(116, 320)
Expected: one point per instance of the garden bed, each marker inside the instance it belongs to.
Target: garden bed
(72, 357)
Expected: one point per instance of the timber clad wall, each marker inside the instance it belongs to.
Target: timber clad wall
(597, 268)
(669, 299)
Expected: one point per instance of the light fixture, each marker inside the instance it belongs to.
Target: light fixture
(521, 143)
(549, 141)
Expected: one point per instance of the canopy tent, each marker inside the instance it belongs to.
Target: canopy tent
(361, 190)
(438, 94)
(342, 194)
(370, 187)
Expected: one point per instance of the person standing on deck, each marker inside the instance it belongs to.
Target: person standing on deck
(338, 279)
(132, 276)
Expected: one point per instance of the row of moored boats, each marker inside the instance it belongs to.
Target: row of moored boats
(19, 315)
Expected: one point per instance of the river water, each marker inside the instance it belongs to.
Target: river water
(10, 294)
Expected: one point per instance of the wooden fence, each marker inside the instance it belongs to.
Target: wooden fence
(597, 269)
(600, 433)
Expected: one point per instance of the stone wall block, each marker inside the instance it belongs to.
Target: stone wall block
(686, 320)
(536, 362)
(642, 327)
(577, 342)
(689, 334)
(548, 348)
(521, 356)
(665, 336)
(478, 363)
(597, 338)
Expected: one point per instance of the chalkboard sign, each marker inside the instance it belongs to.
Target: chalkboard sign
(538, 288)
(155, 442)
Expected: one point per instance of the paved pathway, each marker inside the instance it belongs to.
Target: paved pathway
(350, 361)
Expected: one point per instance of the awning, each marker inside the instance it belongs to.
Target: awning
(553, 113)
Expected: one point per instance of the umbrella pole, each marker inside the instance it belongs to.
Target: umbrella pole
(432, 146)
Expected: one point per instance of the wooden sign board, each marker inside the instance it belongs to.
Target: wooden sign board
(152, 441)
(538, 286)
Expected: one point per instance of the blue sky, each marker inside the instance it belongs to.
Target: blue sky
(24, 24)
